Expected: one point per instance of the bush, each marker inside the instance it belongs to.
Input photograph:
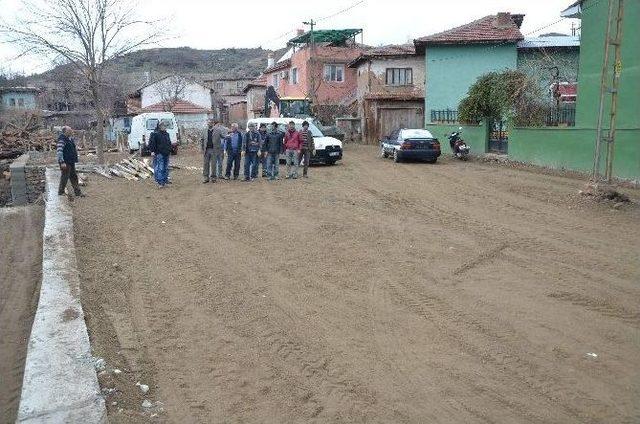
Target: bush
(503, 95)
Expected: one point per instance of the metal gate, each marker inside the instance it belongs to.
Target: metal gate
(390, 119)
(498, 137)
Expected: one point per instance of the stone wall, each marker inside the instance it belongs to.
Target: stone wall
(27, 181)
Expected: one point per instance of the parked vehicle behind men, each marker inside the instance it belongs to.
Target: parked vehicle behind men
(212, 145)
(160, 148)
(143, 125)
(67, 156)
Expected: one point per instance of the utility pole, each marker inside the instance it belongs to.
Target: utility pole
(612, 90)
(311, 68)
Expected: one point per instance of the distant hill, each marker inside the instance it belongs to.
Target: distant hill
(199, 64)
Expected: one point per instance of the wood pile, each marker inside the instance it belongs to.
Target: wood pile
(132, 169)
(16, 140)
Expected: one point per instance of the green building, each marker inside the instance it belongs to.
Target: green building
(570, 147)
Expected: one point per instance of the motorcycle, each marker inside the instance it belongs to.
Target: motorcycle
(458, 146)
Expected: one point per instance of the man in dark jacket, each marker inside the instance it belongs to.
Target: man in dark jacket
(307, 147)
(262, 157)
(252, 146)
(160, 147)
(67, 156)
(234, 151)
(273, 146)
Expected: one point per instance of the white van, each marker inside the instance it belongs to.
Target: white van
(143, 125)
(328, 149)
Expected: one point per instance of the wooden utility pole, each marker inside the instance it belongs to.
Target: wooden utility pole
(612, 90)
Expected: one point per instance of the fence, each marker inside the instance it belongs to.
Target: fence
(565, 116)
(444, 116)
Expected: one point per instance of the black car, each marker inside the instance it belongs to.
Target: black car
(410, 144)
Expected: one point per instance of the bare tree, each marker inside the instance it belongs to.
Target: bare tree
(87, 34)
(170, 90)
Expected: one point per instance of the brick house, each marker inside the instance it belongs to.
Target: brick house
(255, 93)
(390, 90)
(315, 72)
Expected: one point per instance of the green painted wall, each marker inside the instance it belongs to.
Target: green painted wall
(474, 135)
(592, 53)
(452, 69)
(572, 148)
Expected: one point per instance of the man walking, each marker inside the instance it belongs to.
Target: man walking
(307, 147)
(211, 145)
(67, 156)
(292, 145)
(273, 147)
(251, 149)
(160, 147)
(234, 151)
(262, 157)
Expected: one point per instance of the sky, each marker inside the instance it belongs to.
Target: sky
(253, 23)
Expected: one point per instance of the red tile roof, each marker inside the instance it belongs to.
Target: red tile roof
(385, 51)
(277, 66)
(261, 81)
(503, 27)
(181, 106)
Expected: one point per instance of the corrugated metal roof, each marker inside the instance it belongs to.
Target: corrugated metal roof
(550, 41)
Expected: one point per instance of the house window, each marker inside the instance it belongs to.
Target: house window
(334, 73)
(239, 85)
(20, 102)
(12, 102)
(219, 85)
(399, 76)
(294, 76)
(276, 80)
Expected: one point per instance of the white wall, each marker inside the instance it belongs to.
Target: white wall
(192, 120)
(193, 92)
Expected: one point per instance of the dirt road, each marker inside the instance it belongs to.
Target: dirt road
(20, 273)
(372, 292)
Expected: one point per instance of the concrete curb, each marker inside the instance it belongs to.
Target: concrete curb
(60, 384)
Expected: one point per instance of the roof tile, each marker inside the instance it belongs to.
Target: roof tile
(492, 28)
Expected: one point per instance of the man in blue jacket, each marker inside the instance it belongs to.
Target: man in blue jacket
(67, 156)
(252, 144)
(234, 151)
(273, 145)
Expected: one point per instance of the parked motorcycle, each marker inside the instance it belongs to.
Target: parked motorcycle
(458, 146)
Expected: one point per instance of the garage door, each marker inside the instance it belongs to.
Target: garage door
(390, 119)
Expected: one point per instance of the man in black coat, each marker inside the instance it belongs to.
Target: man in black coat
(160, 147)
(67, 156)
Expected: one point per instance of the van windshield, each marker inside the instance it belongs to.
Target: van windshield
(153, 123)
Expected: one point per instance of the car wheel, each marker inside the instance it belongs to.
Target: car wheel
(331, 162)
(396, 157)
(383, 153)
(432, 160)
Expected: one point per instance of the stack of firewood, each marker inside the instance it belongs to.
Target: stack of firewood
(15, 140)
(132, 169)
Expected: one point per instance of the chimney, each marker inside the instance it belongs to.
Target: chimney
(299, 31)
(270, 60)
(503, 20)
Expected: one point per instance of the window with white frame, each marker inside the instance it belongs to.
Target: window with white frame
(294, 76)
(219, 85)
(399, 76)
(334, 73)
(276, 79)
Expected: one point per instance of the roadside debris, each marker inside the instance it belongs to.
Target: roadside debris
(143, 387)
(605, 193)
(592, 355)
(146, 403)
(132, 169)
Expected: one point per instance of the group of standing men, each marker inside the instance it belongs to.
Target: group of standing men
(259, 146)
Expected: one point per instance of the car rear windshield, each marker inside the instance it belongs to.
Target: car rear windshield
(416, 133)
(153, 123)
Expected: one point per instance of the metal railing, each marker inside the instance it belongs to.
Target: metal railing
(560, 117)
(445, 116)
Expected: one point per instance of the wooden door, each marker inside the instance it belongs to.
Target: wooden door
(390, 119)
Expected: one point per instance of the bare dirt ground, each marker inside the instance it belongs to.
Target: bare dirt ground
(20, 274)
(372, 292)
